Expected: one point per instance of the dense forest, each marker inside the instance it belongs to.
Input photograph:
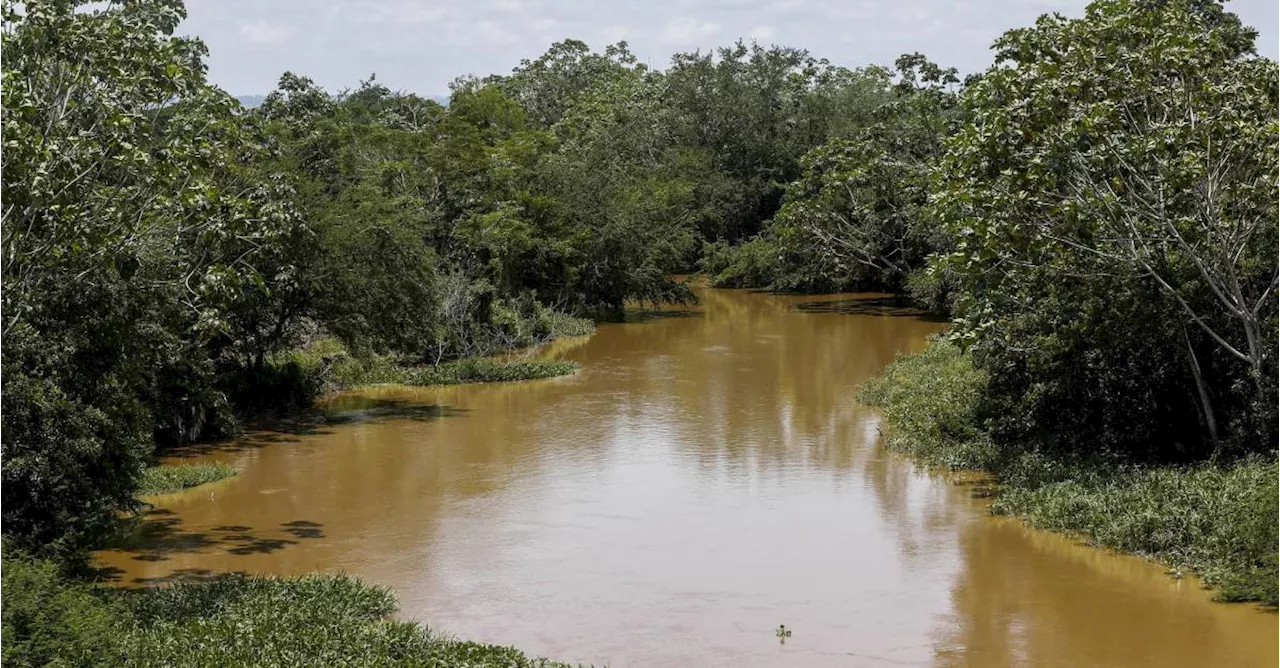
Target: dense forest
(1097, 213)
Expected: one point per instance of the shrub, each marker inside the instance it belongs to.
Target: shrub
(931, 402)
(69, 466)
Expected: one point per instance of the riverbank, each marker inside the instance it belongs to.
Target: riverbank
(1216, 519)
(228, 620)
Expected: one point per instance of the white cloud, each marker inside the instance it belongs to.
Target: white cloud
(688, 30)
(762, 34)
(494, 33)
(404, 12)
(545, 25)
(261, 33)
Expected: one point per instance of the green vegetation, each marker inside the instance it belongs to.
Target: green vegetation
(350, 372)
(230, 620)
(1097, 212)
(325, 366)
(167, 478)
(49, 620)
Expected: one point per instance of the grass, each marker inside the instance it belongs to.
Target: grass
(229, 620)
(165, 478)
(1218, 520)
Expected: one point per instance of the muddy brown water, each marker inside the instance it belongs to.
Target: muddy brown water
(705, 477)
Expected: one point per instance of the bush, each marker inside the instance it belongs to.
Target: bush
(69, 466)
(931, 402)
(51, 621)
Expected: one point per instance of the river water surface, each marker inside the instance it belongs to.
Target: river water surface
(705, 477)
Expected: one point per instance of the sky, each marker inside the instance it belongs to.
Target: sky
(421, 45)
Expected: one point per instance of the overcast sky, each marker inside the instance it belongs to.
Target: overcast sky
(421, 45)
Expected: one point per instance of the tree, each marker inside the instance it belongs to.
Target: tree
(136, 251)
(755, 111)
(1130, 154)
(858, 214)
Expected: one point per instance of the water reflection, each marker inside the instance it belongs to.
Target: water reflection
(706, 477)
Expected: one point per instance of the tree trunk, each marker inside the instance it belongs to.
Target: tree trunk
(1206, 404)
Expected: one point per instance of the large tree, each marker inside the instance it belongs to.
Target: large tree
(1113, 202)
(139, 251)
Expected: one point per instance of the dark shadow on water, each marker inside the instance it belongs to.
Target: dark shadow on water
(303, 529)
(180, 575)
(639, 316)
(349, 408)
(160, 534)
(340, 410)
(874, 306)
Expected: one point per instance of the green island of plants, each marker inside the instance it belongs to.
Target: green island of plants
(167, 478)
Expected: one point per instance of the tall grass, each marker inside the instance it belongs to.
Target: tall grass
(49, 621)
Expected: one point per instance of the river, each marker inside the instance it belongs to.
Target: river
(705, 477)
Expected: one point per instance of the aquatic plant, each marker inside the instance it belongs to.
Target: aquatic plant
(168, 478)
